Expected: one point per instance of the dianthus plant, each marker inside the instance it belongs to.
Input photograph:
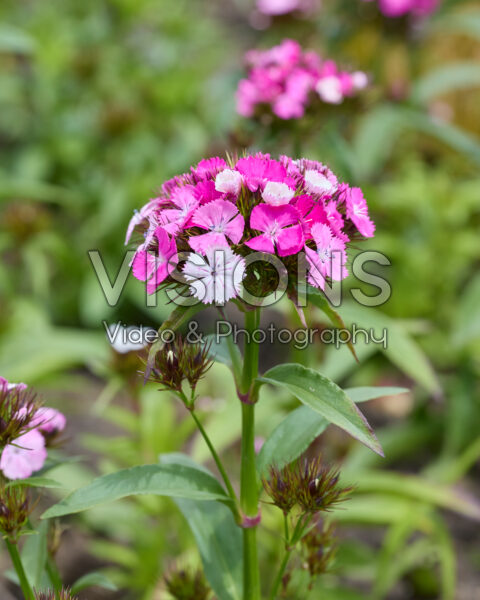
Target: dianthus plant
(226, 232)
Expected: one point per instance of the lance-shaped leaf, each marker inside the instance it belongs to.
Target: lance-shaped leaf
(94, 579)
(326, 398)
(180, 316)
(291, 438)
(179, 481)
(364, 394)
(218, 537)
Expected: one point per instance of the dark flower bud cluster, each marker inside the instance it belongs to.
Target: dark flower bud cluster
(63, 594)
(309, 485)
(14, 511)
(180, 362)
(319, 547)
(187, 584)
(18, 407)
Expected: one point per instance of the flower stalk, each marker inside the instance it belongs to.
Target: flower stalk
(248, 476)
(20, 571)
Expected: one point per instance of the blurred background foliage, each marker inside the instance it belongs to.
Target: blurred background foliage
(102, 101)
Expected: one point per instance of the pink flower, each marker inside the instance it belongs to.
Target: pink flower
(281, 230)
(209, 167)
(215, 277)
(174, 220)
(328, 260)
(398, 8)
(284, 76)
(5, 386)
(311, 212)
(222, 219)
(282, 7)
(277, 193)
(205, 192)
(258, 170)
(24, 457)
(48, 420)
(357, 211)
(228, 182)
(154, 268)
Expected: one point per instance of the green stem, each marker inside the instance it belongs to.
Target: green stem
(218, 462)
(248, 475)
(17, 564)
(289, 547)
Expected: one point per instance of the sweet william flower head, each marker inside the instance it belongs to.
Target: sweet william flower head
(211, 219)
(287, 81)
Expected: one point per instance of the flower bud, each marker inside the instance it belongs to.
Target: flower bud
(63, 594)
(18, 406)
(187, 584)
(308, 484)
(14, 511)
(319, 548)
(180, 361)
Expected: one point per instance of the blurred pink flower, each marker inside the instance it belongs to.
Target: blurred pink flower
(284, 78)
(398, 8)
(48, 420)
(27, 455)
(282, 7)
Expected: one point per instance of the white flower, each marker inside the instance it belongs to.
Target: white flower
(276, 193)
(330, 90)
(317, 183)
(129, 339)
(215, 277)
(229, 182)
(359, 80)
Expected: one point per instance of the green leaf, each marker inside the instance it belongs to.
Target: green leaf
(34, 555)
(400, 348)
(16, 41)
(467, 314)
(319, 300)
(162, 480)
(326, 398)
(218, 537)
(291, 438)
(43, 482)
(219, 542)
(447, 78)
(466, 22)
(179, 316)
(226, 352)
(363, 394)
(95, 579)
(416, 488)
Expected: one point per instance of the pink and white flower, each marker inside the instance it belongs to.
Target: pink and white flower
(277, 193)
(229, 181)
(317, 183)
(49, 420)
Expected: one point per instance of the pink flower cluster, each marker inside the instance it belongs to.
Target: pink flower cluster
(398, 8)
(284, 77)
(283, 7)
(27, 454)
(281, 207)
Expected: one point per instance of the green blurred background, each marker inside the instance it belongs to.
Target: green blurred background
(100, 101)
